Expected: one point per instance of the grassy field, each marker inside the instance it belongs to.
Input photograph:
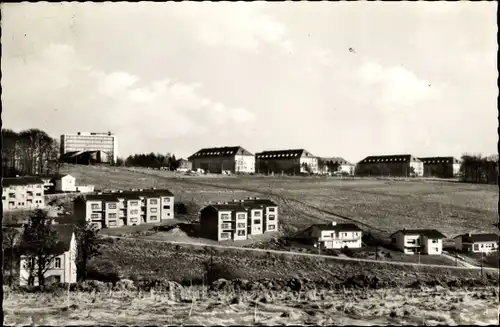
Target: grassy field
(382, 205)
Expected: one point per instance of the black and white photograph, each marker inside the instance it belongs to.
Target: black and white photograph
(250, 163)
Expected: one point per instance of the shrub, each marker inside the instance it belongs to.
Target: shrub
(103, 271)
(215, 271)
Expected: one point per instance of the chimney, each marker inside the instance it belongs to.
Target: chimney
(334, 223)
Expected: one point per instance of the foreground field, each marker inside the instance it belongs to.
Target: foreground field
(196, 306)
(377, 205)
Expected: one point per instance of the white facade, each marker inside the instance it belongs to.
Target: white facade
(418, 166)
(311, 162)
(85, 188)
(337, 239)
(417, 243)
(485, 246)
(66, 183)
(105, 142)
(244, 163)
(29, 196)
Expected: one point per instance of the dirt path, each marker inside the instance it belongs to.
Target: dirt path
(460, 262)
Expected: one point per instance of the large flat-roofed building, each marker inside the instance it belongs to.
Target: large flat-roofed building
(216, 160)
(405, 165)
(295, 161)
(125, 208)
(444, 167)
(237, 219)
(91, 142)
(22, 193)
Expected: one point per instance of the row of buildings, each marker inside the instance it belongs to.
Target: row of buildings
(300, 161)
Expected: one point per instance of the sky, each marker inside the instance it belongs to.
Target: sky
(346, 79)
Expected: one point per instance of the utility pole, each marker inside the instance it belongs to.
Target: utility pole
(456, 259)
(418, 257)
(482, 264)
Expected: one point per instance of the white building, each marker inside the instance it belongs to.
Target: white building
(424, 241)
(334, 236)
(65, 183)
(341, 165)
(104, 142)
(62, 268)
(22, 193)
(294, 161)
(216, 160)
(477, 243)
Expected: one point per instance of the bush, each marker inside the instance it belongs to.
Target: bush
(215, 271)
(103, 271)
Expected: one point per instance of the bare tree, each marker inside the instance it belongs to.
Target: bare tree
(11, 236)
(88, 247)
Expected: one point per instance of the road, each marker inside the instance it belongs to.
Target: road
(303, 254)
(460, 261)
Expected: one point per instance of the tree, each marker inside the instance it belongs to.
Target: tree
(119, 161)
(88, 247)
(10, 239)
(39, 245)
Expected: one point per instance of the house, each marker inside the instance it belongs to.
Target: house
(184, 165)
(64, 183)
(85, 188)
(335, 165)
(63, 265)
(22, 193)
(444, 167)
(424, 241)
(216, 160)
(334, 235)
(477, 242)
(125, 208)
(237, 219)
(295, 161)
(85, 147)
(405, 165)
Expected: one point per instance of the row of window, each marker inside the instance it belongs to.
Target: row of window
(13, 195)
(30, 263)
(132, 203)
(340, 234)
(28, 202)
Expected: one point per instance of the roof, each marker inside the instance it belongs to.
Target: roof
(53, 176)
(437, 160)
(220, 152)
(26, 180)
(266, 202)
(389, 159)
(129, 195)
(429, 233)
(347, 227)
(64, 234)
(244, 205)
(228, 207)
(337, 160)
(476, 238)
(284, 154)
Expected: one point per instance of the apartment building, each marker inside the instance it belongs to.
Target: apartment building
(286, 162)
(444, 167)
(334, 235)
(91, 142)
(125, 208)
(425, 241)
(477, 243)
(237, 219)
(62, 267)
(335, 165)
(405, 165)
(216, 160)
(22, 193)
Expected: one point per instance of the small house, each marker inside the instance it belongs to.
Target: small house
(424, 241)
(477, 243)
(334, 235)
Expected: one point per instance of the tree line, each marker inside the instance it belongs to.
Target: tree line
(479, 169)
(151, 160)
(29, 152)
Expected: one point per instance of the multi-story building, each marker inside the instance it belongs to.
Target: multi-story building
(444, 167)
(22, 193)
(286, 161)
(477, 242)
(405, 165)
(334, 235)
(335, 165)
(62, 266)
(125, 208)
(91, 142)
(216, 160)
(237, 219)
(425, 241)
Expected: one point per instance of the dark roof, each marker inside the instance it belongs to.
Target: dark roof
(283, 154)
(129, 195)
(227, 151)
(244, 205)
(438, 160)
(429, 233)
(228, 206)
(266, 202)
(52, 176)
(473, 238)
(64, 234)
(335, 160)
(389, 159)
(27, 180)
(344, 227)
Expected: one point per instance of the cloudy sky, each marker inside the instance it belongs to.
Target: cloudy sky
(339, 79)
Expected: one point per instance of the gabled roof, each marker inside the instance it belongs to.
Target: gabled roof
(389, 159)
(474, 238)
(26, 180)
(284, 154)
(429, 233)
(220, 152)
(337, 160)
(129, 195)
(439, 160)
(344, 227)
(64, 234)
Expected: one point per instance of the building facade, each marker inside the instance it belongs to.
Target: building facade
(444, 167)
(63, 266)
(125, 208)
(424, 241)
(91, 142)
(405, 165)
(65, 183)
(334, 236)
(238, 219)
(298, 161)
(216, 160)
(477, 243)
(22, 193)
(335, 165)
(184, 165)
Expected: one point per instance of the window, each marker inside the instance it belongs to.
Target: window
(112, 215)
(94, 215)
(57, 263)
(225, 226)
(272, 209)
(4, 198)
(224, 216)
(134, 211)
(112, 205)
(241, 216)
(256, 221)
(153, 210)
(272, 217)
(434, 241)
(153, 201)
(166, 207)
(224, 235)
(133, 220)
(39, 186)
(134, 203)
(241, 232)
(12, 195)
(29, 193)
(241, 225)
(39, 194)
(112, 223)
(95, 206)
(256, 213)
(153, 218)
(29, 201)
(166, 199)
